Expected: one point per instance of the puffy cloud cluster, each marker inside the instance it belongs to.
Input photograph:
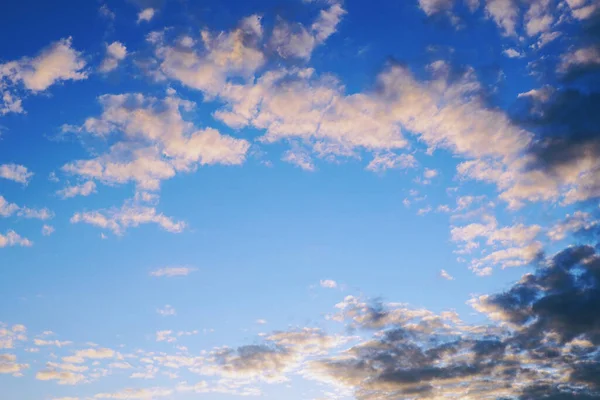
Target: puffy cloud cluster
(58, 62)
(15, 172)
(115, 53)
(155, 142)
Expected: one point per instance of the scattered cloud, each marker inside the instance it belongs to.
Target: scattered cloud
(173, 271)
(15, 172)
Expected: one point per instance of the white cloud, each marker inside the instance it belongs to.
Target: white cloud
(106, 13)
(505, 14)
(57, 343)
(58, 62)
(221, 56)
(579, 58)
(328, 284)
(136, 394)
(424, 211)
(63, 377)
(9, 365)
(297, 41)
(299, 158)
(444, 274)
(146, 15)
(389, 160)
(165, 336)
(577, 221)
(11, 238)
(15, 172)
(115, 52)
(94, 353)
(156, 142)
(512, 53)
(430, 173)
(85, 189)
(47, 230)
(431, 7)
(10, 335)
(167, 310)
(511, 246)
(172, 271)
(131, 214)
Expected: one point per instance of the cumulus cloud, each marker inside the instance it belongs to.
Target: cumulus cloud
(155, 142)
(115, 53)
(15, 172)
(58, 62)
(11, 238)
(219, 56)
(7, 209)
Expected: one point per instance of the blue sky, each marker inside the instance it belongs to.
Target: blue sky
(279, 199)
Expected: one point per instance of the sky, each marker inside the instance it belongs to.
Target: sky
(300, 199)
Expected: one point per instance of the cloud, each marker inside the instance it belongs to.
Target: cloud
(172, 271)
(297, 41)
(155, 142)
(85, 189)
(57, 343)
(580, 60)
(58, 62)
(106, 12)
(511, 246)
(15, 172)
(131, 214)
(299, 158)
(91, 353)
(221, 56)
(146, 15)
(328, 284)
(388, 160)
(512, 53)
(9, 365)
(63, 377)
(573, 223)
(165, 336)
(446, 275)
(11, 238)
(505, 14)
(431, 7)
(115, 53)
(166, 310)
(47, 230)
(134, 394)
